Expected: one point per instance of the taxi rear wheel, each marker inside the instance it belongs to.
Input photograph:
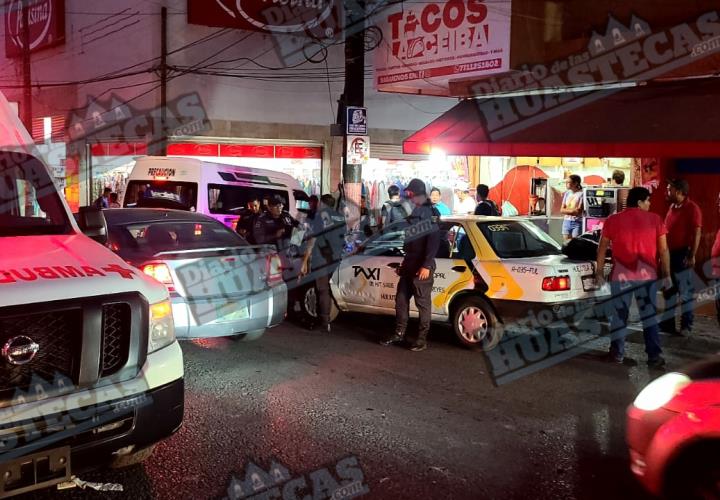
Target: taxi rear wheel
(695, 474)
(308, 305)
(475, 324)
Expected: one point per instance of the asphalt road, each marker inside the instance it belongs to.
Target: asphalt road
(422, 425)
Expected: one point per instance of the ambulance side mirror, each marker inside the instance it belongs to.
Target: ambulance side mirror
(93, 224)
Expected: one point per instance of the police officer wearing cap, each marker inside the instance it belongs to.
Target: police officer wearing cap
(248, 217)
(323, 253)
(275, 226)
(422, 241)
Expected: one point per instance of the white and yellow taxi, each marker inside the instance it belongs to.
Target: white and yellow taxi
(491, 272)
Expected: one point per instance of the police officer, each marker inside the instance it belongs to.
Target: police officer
(248, 217)
(275, 226)
(422, 241)
(323, 253)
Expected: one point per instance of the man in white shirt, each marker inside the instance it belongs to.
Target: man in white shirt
(464, 203)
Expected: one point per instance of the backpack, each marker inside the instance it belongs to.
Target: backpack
(394, 211)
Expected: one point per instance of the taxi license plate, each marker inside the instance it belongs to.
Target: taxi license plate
(34, 472)
(589, 283)
(226, 313)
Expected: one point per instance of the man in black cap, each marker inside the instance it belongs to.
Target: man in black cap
(422, 240)
(275, 226)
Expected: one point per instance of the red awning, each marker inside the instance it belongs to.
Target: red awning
(677, 120)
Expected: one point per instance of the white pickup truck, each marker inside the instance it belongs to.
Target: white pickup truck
(90, 371)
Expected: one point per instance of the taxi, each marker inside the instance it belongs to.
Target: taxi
(491, 272)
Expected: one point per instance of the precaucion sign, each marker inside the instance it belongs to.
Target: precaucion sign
(357, 121)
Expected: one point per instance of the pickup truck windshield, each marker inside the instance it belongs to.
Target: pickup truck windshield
(29, 200)
(512, 240)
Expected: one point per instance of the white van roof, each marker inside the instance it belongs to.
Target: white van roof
(13, 135)
(195, 165)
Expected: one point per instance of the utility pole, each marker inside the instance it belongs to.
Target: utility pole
(27, 77)
(163, 83)
(353, 95)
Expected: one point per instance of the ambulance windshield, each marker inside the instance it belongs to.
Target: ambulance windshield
(29, 200)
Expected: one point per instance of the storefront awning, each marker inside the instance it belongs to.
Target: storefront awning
(677, 120)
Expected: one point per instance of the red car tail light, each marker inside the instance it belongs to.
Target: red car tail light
(161, 272)
(556, 284)
(273, 268)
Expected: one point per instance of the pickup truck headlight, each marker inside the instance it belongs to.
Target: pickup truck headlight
(660, 391)
(162, 326)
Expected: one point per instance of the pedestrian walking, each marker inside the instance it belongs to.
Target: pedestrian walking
(572, 208)
(684, 225)
(394, 209)
(485, 206)
(103, 200)
(436, 198)
(422, 241)
(635, 255)
(248, 217)
(323, 254)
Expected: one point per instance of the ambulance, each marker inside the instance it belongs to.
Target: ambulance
(90, 371)
(215, 189)
(492, 272)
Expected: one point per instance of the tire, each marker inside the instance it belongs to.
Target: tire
(135, 458)
(695, 474)
(307, 301)
(486, 333)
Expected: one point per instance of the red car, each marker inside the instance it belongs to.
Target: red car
(674, 433)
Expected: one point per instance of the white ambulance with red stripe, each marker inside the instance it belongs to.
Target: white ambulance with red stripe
(90, 371)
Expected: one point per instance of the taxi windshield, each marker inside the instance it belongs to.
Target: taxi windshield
(29, 200)
(518, 239)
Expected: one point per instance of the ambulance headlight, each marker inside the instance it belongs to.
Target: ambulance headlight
(162, 327)
(660, 391)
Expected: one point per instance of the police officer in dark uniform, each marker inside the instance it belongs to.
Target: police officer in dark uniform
(422, 241)
(248, 218)
(275, 226)
(323, 253)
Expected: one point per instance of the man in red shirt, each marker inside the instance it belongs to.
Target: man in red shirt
(638, 239)
(684, 225)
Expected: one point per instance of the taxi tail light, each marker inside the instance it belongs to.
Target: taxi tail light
(273, 269)
(556, 284)
(161, 272)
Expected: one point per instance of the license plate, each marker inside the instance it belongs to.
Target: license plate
(232, 311)
(589, 283)
(34, 472)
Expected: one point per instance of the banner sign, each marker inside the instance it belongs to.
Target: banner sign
(316, 18)
(430, 43)
(46, 19)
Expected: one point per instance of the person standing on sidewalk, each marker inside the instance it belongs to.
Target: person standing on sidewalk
(485, 206)
(323, 254)
(684, 225)
(635, 255)
(422, 241)
(572, 208)
(715, 261)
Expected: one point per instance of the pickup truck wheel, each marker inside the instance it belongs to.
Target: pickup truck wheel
(475, 324)
(132, 459)
(308, 305)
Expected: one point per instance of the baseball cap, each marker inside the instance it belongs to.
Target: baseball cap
(416, 186)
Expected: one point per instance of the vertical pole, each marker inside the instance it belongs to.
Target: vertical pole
(163, 83)
(354, 95)
(27, 77)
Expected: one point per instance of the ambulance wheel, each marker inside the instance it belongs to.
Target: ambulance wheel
(475, 324)
(308, 306)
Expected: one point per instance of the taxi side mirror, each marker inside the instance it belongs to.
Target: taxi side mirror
(93, 224)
